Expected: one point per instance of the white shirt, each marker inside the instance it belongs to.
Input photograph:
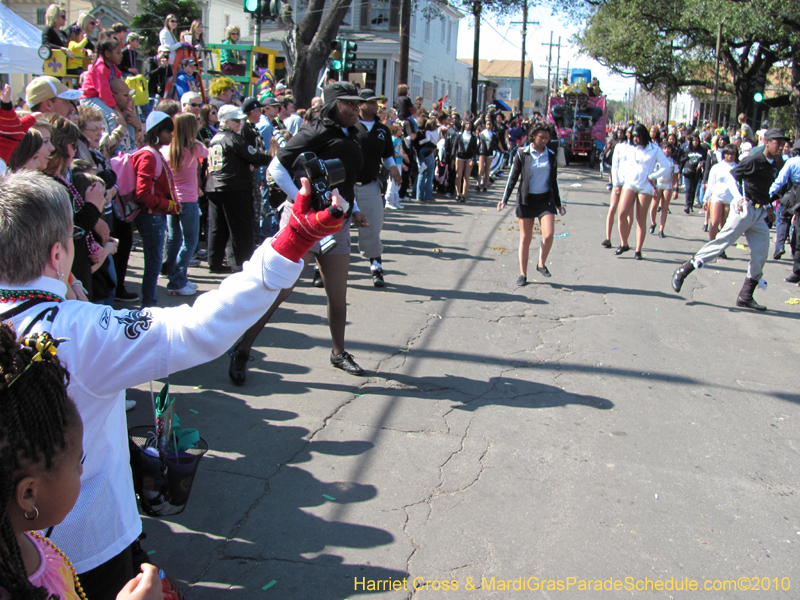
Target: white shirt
(640, 165)
(665, 181)
(293, 123)
(111, 350)
(618, 162)
(719, 183)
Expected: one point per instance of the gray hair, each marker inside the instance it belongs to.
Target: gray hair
(35, 213)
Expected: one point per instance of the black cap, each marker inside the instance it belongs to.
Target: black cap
(251, 104)
(368, 95)
(271, 101)
(775, 134)
(340, 90)
(188, 61)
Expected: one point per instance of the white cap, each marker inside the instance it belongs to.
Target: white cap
(154, 118)
(229, 112)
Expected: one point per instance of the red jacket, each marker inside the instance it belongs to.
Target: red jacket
(151, 193)
(97, 82)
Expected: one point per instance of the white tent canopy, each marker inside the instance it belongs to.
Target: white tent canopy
(19, 44)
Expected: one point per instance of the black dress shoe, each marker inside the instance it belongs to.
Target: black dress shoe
(638, 256)
(238, 368)
(749, 303)
(621, 249)
(705, 227)
(652, 228)
(793, 278)
(686, 210)
(377, 278)
(345, 362)
(723, 256)
(123, 295)
(661, 234)
(606, 243)
(219, 269)
(522, 280)
(680, 275)
(317, 280)
(778, 254)
(543, 270)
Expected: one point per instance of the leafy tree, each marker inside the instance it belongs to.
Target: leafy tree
(150, 19)
(670, 44)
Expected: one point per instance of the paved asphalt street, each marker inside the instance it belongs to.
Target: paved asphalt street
(594, 425)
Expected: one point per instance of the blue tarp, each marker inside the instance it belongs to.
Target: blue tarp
(501, 105)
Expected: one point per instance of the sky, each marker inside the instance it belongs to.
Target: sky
(503, 41)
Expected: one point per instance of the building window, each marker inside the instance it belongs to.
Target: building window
(443, 23)
(435, 89)
(413, 22)
(458, 98)
(226, 20)
(347, 23)
(427, 29)
(40, 16)
(449, 34)
(416, 85)
(379, 14)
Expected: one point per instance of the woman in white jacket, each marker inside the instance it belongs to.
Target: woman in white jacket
(645, 163)
(168, 36)
(718, 194)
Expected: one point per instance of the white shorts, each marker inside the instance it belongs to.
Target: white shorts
(648, 189)
(665, 188)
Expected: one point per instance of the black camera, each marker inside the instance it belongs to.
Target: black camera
(323, 175)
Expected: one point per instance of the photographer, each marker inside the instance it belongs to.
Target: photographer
(158, 71)
(332, 135)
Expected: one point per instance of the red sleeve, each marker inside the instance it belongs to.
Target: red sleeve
(147, 193)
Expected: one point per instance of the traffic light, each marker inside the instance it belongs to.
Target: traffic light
(759, 86)
(336, 55)
(263, 9)
(350, 48)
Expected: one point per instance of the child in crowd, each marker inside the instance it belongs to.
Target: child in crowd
(41, 435)
(77, 45)
(97, 80)
(393, 190)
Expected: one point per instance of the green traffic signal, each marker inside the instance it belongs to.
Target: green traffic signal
(758, 97)
(251, 6)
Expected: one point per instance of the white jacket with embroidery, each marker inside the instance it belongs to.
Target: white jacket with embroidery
(111, 350)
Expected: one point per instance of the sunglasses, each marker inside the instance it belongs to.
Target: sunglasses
(234, 33)
(173, 20)
(194, 105)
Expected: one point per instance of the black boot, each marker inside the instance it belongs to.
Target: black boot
(680, 274)
(745, 299)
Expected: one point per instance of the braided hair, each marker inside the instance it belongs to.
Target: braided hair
(35, 416)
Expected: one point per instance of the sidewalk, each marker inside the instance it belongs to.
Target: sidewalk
(593, 425)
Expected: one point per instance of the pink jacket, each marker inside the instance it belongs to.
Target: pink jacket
(97, 82)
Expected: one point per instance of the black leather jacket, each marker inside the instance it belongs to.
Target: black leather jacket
(229, 160)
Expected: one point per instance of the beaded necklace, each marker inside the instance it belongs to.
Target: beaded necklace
(78, 202)
(13, 296)
(67, 561)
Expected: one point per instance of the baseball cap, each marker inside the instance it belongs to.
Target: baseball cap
(46, 88)
(368, 95)
(154, 118)
(229, 112)
(163, 49)
(340, 90)
(270, 101)
(775, 134)
(187, 61)
(250, 103)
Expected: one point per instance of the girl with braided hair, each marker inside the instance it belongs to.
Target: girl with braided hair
(41, 450)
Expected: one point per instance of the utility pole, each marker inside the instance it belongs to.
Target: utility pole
(558, 63)
(476, 53)
(714, 116)
(405, 26)
(549, 61)
(522, 63)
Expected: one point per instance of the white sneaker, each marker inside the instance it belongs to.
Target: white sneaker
(391, 206)
(130, 404)
(192, 285)
(186, 290)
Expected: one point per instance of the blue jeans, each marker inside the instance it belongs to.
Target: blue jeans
(152, 228)
(425, 180)
(183, 231)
